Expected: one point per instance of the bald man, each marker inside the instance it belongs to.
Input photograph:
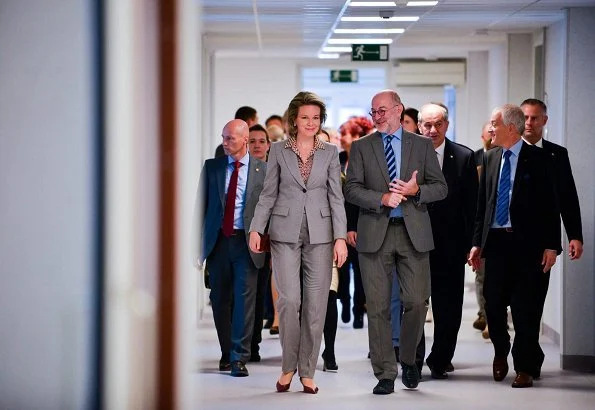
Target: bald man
(227, 195)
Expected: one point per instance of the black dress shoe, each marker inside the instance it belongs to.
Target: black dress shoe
(523, 380)
(449, 368)
(268, 324)
(238, 369)
(274, 330)
(384, 386)
(397, 353)
(410, 375)
(500, 368)
(358, 321)
(436, 372)
(345, 313)
(254, 358)
(224, 364)
(329, 365)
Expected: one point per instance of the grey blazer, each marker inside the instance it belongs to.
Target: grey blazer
(210, 204)
(368, 179)
(285, 196)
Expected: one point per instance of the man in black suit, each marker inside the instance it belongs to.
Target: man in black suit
(452, 221)
(227, 195)
(535, 119)
(517, 231)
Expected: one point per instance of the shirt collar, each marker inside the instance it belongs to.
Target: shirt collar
(537, 144)
(292, 143)
(398, 134)
(440, 149)
(516, 148)
(245, 160)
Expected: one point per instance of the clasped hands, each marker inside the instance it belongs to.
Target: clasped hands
(399, 190)
(339, 250)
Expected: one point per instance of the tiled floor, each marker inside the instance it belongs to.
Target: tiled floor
(470, 387)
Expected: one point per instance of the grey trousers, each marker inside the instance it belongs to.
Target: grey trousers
(413, 273)
(301, 337)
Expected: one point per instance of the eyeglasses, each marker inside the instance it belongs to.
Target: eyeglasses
(381, 111)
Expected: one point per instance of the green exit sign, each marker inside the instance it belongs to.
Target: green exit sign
(344, 76)
(369, 52)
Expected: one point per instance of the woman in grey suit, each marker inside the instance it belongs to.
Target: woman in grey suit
(302, 204)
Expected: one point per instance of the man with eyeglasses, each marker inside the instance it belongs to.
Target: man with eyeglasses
(453, 221)
(392, 176)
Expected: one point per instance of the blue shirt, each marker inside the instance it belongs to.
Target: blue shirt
(238, 215)
(396, 144)
(514, 160)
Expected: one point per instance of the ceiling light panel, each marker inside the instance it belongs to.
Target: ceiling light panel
(368, 18)
(360, 41)
(421, 3)
(372, 4)
(369, 30)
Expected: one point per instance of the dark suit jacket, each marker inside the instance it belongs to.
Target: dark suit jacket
(211, 203)
(368, 179)
(569, 205)
(533, 207)
(453, 218)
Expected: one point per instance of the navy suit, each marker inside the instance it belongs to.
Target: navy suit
(514, 274)
(233, 269)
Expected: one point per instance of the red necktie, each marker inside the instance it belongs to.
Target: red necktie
(230, 202)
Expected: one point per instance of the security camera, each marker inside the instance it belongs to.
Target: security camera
(386, 14)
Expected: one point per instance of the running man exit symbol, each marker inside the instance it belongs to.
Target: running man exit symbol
(369, 52)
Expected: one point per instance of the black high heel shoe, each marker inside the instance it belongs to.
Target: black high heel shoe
(284, 387)
(308, 389)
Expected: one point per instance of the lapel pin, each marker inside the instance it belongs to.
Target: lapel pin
(257, 169)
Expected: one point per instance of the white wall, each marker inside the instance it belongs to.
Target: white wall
(555, 95)
(47, 208)
(579, 281)
(520, 67)
(263, 83)
(478, 111)
(189, 291)
(497, 76)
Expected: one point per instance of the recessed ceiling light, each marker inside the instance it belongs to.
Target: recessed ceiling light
(403, 18)
(328, 55)
(369, 30)
(336, 50)
(372, 4)
(360, 41)
(422, 3)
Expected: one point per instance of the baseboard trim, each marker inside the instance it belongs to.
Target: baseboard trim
(578, 363)
(551, 334)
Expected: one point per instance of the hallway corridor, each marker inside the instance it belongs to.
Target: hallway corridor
(470, 387)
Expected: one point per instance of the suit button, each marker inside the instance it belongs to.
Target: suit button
(304, 190)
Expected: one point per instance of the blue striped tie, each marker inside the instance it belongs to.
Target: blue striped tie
(503, 191)
(391, 162)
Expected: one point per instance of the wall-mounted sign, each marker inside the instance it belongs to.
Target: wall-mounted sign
(344, 76)
(369, 52)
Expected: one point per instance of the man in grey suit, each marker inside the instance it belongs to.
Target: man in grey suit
(392, 176)
(227, 195)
